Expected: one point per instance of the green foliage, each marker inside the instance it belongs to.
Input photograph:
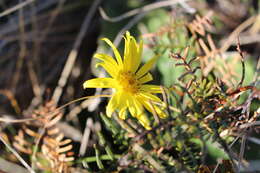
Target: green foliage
(201, 108)
(172, 37)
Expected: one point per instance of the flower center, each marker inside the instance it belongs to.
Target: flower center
(128, 82)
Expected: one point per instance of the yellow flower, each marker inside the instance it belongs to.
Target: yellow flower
(128, 81)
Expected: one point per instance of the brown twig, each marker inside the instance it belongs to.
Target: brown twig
(74, 52)
(8, 120)
(166, 99)
(148, 157)
(257, 73)
(37, 47)
(37, 143)
(199, 24)
(17, 155)
(13, 26)
(242, 150)
(22, 51)
(236, 32)
(12, 100)
(242, 62)
(233, 142)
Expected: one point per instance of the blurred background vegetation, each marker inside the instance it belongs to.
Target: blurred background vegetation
(46, 55)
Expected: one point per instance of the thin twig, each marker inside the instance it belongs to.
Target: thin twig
(52, 19)
(10, 96)
(242, 62)
(74, 53)
(233, 142)
(12, 27)
(15, 8)
(256, 79)
(166, 99)
(236, 32)
(227, 149)
(155, 114)
(242, 150)
(22, 51)
(17, 155)
(144, 9)
(254, 140)
(36, 146)
(170, 107)
(129, 25)
(34, 81)
(7, 166)
(160, 126)
(146, 156)
(77, 109)
(247, 39)
(246, 125)
(84, 141)
(125, 125)
(37, 46)
(8, 120)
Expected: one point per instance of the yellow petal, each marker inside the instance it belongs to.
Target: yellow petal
(160, 112)
(148, 77)
(135, 107)
(132, 59)
(128, 55)
(151, 108)
(128, 35)
(117, 54)
(127, 40)
(134, 54)
(123, 113)
(149, 96)
(100, 83)
(151, 88)
(122, 105)
(144, 121)
(106, 58)
(131, 107)
(110, 68)
(112, 104)
(145, 68)
(140, 50)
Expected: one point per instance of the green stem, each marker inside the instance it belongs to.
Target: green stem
(102, 157)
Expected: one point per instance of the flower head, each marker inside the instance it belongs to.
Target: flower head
(128, 81)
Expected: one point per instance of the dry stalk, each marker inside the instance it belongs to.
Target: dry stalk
(43, 134)
(200, 24)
